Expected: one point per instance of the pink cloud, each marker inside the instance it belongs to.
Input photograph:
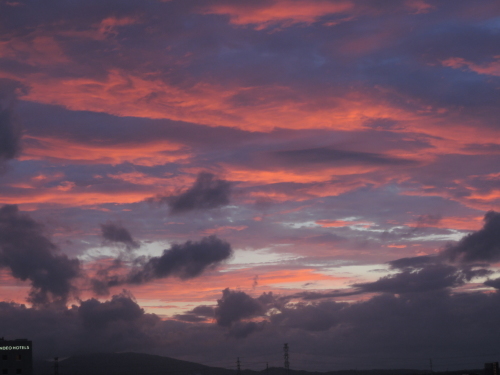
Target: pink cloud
(278, 12)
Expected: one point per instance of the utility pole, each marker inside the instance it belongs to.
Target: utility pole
(430, 363)
(238, 366)
(267, 368)
(56, 365)
(287, 363)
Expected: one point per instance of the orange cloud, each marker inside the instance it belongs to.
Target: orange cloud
(478, 201)
(40, 50)
(282, 12)
(148, 154)
(419, 6)
(492, 68)
(461, 223)
(485, 197)
(318, 182)
(344, 223)
(108, 25)
(209, 287)
(258, 177)
(252, 177)
(125, 94)
(455, 222)
(67, 194)
(334, 187)
(224, 229)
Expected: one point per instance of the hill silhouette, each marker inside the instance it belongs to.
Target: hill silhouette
(148, 364)
(126, 364)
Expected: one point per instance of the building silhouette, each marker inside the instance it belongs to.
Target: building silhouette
(491, 368)
(16, 357)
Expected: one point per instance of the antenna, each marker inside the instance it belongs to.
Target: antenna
(238, 367)
(430, 363)
(287, 363)
(56, 365)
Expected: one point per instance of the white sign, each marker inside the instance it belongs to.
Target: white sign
(14, 347)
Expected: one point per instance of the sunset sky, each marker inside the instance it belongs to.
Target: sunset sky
(209, 179)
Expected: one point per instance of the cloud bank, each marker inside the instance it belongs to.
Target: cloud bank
(29, 255)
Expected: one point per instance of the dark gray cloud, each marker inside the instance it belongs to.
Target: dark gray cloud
(413, 262)
(480, 246)
(29, 255)
(9, 134)
(105, 278)
(425, 279)
(428, 220)
(204, 310)
(470, 272)
(311, 296)
(89, 327)
(96, 315)
(114, 232)
(416, 275)
(184, 261)
(310, 317)
(494, 283)
(327, 155)
(198, 314)
(10, 130)
(192, 318)
(429, 273)
(235, 306)
(206, 193)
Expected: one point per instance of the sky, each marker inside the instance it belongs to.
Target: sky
(211, 179)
